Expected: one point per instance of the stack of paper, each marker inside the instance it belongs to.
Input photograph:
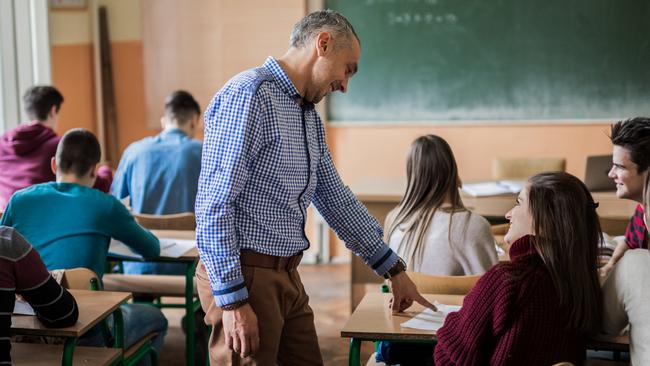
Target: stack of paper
(493, 188)
(21, 307)
(172, 248)
(429, 319)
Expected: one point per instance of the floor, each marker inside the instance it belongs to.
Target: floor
(328, 287)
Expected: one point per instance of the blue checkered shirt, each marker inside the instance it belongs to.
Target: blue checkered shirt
(265, 160)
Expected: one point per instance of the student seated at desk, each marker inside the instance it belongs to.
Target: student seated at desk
(160, 175)
(26, 151)
(538, 308)
(433, 231)
(626, 295)
(71, 225)
(431, 228)
(22, 272)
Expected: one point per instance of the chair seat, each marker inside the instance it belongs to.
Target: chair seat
(47, 355)
(161, 285)
(137, 345)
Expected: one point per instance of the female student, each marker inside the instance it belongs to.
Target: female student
(431, 229)
(537, 309)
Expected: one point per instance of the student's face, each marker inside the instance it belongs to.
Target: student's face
(520, 218)
(333, 68)
(624, 172)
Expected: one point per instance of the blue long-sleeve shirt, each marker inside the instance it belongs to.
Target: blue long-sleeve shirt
(160, 174)
(265, 160)
(71, 225)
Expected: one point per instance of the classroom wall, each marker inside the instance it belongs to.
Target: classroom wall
(241, 39)
(71, 39)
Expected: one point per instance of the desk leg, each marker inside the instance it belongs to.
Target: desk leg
(118, 329)
(189, 313)
(355, 352)
(68, 351)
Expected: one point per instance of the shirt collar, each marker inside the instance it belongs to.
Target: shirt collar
(172, 131)
(285, 84)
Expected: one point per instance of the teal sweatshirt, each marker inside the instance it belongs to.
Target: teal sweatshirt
(71, 225)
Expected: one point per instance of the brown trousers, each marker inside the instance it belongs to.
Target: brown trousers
(285, 320)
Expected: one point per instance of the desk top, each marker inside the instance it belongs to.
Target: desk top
(373, 319)
(191, 254)
(391, 191)
(93, 307)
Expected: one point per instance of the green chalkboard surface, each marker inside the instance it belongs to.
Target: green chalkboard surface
(427, 60)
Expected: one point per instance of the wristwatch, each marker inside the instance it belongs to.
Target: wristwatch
(399, 267)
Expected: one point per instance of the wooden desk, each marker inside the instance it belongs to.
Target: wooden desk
(189, 259)
(381, 196)
(94, 306)
(374, 321)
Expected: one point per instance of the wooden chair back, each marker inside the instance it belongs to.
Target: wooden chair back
(446, 285)
(614, 226)
(181, 221)
(80, 279)
(524, 168)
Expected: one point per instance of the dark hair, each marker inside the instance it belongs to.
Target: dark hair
(432, 177)
(39, 100)
(78, 152)
(634, 135)
(322, 20)
(181, 106)
(568, 238)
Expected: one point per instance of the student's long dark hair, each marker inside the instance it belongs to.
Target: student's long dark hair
(568, 238)
(432, 177)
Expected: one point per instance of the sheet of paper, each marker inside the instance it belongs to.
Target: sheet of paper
(493, 188)
(429, 319)
(21, 307)
(172, 248)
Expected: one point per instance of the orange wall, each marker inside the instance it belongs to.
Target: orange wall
(72, 74)
(376, 152)
(72, 70)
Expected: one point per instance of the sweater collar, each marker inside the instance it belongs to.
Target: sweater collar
(522, 247)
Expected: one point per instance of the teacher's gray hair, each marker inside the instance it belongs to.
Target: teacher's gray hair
(323, 20)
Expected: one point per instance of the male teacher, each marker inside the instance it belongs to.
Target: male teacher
(265, 160)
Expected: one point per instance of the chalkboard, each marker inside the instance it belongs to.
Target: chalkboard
(427, 60)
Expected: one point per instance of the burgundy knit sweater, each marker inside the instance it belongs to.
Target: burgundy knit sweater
(511, 317)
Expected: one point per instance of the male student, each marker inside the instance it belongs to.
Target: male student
(22, 272)
(26, 151)
(160, 174)
(631, 159)
(70, 224)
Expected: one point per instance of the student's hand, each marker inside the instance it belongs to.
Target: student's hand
(604, 270)
(405, 292)
(241, 331)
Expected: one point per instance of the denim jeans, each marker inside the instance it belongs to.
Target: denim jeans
(139, 320)
(135, 268)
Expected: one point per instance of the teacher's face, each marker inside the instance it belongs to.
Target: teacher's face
(335, 65)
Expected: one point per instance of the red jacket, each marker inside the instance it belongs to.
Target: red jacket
(25, 154)
(508, 321)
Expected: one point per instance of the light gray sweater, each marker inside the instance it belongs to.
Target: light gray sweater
(471, 250)
(626, 295)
